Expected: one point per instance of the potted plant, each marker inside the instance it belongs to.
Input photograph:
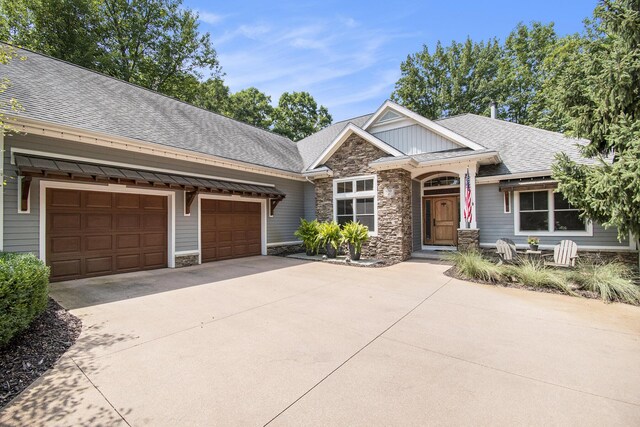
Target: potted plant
(533, 243)
(308, 233)
(355, 234)
(329, 236)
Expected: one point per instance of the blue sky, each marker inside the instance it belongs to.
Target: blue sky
(348, 54)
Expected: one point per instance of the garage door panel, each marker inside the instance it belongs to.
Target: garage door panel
(127, 221)
(127, 201)
(65, 198)
(98, 265)
(106, 233)
(230, 229)
(65, 221)
(98, 200)
(98, 222)
(61, 245)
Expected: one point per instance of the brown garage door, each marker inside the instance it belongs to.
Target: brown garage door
(92, 233)
(230, 229)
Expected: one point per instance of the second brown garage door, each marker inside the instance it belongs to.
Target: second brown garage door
(91, 233)
(229, 229)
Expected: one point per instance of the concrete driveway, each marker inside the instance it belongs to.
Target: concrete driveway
(269, 340)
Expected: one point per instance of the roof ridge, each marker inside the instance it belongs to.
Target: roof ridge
(135, 85)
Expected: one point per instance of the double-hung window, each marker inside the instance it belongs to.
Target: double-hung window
(355, 200)
(545, 211)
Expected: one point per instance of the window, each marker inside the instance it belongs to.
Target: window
(507, 202)
(547, 212)
(355, 200)
(565, 216)
(442, 181)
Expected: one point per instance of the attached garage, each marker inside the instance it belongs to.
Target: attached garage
(230, 229)
(94, 233)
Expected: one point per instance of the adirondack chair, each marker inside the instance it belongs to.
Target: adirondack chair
(506, 250)
(564, 254)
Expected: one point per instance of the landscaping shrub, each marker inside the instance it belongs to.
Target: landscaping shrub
(24, 288)
(533, 273)
(308, 232)
(613, 281)
(473, 265)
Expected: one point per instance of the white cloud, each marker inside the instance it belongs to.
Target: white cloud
(209, 17)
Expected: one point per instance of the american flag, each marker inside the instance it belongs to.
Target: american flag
(467, 199)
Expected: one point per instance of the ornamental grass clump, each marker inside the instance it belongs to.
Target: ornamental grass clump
(24, 289)
(612, 281)
(472, 265)
(533, 273)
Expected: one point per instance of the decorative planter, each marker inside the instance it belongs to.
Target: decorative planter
(533, 247)
(331, 251)
(355, 256)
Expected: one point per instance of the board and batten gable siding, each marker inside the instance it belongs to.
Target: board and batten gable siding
(21, 230)
(495, 224)
(416, 212)
(415, 139)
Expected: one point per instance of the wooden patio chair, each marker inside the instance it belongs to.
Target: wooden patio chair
(506, 250)
(564, 255)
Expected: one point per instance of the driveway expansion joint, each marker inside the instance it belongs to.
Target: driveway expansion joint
(358, 352)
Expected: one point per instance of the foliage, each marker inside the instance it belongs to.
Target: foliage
(472, 265)
(329, 233)
(532, 240)
(613, 281)
(599, 88)
(251, 106)
(153, 43)
(308, 232)
(7, 54)
(24, 287)
(465, 77)
(533, 273)
(298, 116)
(355, 234)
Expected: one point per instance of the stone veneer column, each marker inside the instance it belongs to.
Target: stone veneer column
(468, 239)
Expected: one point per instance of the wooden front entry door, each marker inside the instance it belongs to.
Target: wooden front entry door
(440, 220)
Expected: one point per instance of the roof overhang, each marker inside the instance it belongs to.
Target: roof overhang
(541, 183)
(31, 167)
(342, 137)
(429, 124)
(321, 172)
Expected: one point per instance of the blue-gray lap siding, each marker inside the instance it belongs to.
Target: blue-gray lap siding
(495, 224)
(21, 231)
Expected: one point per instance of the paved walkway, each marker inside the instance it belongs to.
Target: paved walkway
(277, 341)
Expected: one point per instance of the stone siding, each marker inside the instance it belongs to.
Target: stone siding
(394, 234)
(187, 260)
(468, 239)
(284, 250)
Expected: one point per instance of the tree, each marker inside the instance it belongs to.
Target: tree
(153, 43)
(7, 54)
(298, 116)
(251, 106)
(599, 90)
(212, 95)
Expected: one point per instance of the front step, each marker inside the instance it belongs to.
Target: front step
(432, 255)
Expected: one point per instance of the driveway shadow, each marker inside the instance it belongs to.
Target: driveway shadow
(88, 292)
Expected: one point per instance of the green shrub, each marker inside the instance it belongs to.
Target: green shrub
(24, 288)
(308, 233)
(613, 281)
(329, 233)
(473, 265)
(355, 234)
(534, 273)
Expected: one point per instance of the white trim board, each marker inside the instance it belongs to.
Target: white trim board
(263, 218)
(342, 137)
(18, 150)
(275, 244)
(428, 124)
(39, 127)
(111, 188)
(580, 247)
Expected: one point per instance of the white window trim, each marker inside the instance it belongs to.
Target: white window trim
(357, 195)
(440, 187)
(20, 211)
(516, 219)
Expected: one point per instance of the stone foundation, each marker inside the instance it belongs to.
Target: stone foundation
(285, 250)
(468, 239)
(187, 260)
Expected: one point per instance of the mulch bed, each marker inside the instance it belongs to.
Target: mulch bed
(32, 353)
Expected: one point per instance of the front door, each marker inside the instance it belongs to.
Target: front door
(440, 222)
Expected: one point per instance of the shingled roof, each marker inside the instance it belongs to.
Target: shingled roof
(65, 94)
